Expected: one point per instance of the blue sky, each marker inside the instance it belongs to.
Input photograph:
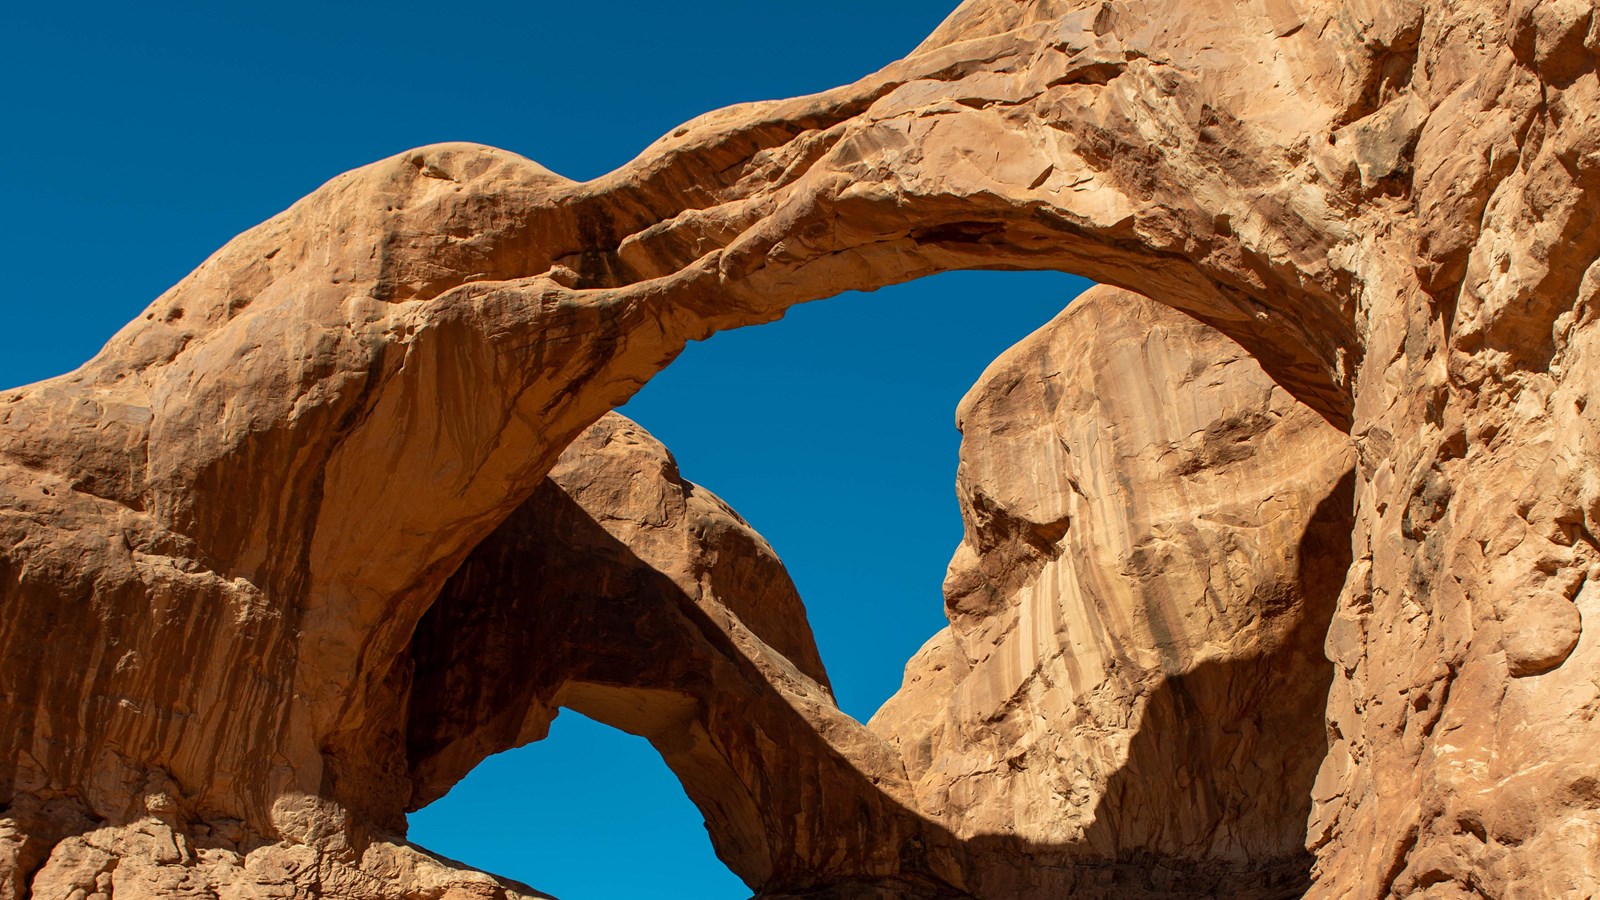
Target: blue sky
(141, 137)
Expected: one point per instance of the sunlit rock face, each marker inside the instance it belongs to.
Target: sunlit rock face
(218, 537)
(1131, 694)
(1132, 687)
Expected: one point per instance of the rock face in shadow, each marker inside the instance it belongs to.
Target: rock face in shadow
(219, 536)
(641, 600)
(1133, 679)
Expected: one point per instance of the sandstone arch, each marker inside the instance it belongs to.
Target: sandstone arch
(606, 592)
(1390, 205)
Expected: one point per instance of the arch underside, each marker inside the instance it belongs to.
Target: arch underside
(224, 534)
(1184, 699)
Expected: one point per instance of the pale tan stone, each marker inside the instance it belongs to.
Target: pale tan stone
(1155, 537)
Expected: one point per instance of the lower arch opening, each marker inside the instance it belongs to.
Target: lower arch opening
(588, 813)
(1193, 798)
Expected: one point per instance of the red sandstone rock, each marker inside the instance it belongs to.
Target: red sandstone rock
(219, 536)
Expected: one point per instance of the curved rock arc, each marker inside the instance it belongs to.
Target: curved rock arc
(235, 516)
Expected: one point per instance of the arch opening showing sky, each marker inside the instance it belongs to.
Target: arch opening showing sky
(832, 431)
(143, 137)
(564, 816)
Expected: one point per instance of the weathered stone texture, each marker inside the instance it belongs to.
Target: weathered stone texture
(1156, 534)
(219, 536)
(626, 593)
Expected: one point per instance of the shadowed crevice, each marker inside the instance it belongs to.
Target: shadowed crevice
(1161, 825)
(553, 610)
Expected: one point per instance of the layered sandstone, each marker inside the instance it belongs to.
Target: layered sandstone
(218, 537)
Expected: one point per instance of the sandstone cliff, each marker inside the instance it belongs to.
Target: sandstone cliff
(1133, 678)
(219, 536)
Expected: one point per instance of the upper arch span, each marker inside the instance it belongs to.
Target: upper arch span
(1389, 204)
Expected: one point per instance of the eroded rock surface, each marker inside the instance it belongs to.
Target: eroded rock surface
(218, 537)
(641, 600)
(1133, 679)
(617, 589)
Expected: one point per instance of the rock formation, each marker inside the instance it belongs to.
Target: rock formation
(219, 537)
(623, 592)
(1133, 678)
(616, 589)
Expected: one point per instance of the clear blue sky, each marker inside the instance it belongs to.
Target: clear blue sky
(141, 137)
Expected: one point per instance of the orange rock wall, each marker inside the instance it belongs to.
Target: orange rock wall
(219, 536)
